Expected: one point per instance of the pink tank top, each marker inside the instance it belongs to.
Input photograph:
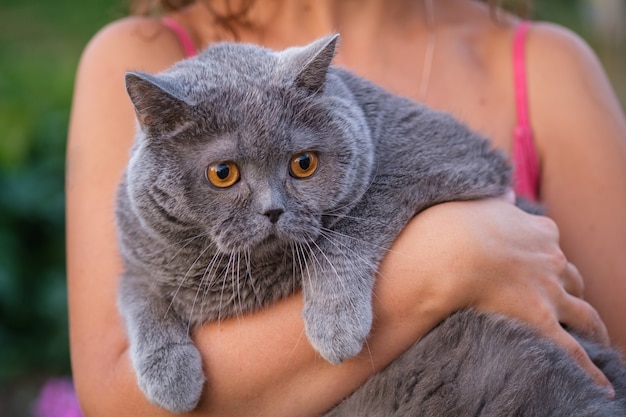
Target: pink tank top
(524, 154)
(183, 37)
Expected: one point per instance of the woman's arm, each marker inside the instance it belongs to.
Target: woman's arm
(581, 135)
(451, 256)
(101, 132)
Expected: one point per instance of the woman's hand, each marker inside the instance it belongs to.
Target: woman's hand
(496, 258)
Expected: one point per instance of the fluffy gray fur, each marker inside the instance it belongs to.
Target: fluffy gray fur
(195, 253)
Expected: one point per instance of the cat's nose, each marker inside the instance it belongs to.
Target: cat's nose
(274, 214)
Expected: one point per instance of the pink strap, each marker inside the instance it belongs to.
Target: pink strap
(524, 152)
(519, 68)
(183, 36)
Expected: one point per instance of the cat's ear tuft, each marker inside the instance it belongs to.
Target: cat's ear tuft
(313, 62)
(159, 109)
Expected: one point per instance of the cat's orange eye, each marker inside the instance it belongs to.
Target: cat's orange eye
(303, 165)
(223, 174)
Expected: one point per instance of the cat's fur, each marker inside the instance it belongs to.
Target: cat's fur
(195, 253)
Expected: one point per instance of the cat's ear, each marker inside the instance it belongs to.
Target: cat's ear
(311, 63)
(158, 107)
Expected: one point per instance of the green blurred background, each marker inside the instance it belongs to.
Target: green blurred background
(40, 44)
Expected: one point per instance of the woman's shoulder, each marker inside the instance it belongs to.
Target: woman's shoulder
(133, 43)
(102, 114)
(547, 45)
(553, 48)
(575, 113)
(564, 74)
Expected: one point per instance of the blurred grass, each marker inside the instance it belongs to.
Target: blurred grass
(40, 44)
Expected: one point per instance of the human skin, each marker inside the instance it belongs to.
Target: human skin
(451, 256)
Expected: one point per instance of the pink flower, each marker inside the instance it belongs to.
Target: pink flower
(57, 399)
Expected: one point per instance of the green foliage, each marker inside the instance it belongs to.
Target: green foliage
(40, 44)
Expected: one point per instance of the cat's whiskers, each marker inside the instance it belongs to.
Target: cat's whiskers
(184, 242)
(343, 247)
(193, 305)
(224, 281)
(369, 353)
(328, 234)
(236, 282)
(294, 259)
(356, 255)
(313, 257)
(382, 248)
(342, 216)
(302, 259)
(301, 253)
(339, 276)
(198, 289)
(210, 271)
(184, 278)
(250, 277)
(297, 253)
(295, 345)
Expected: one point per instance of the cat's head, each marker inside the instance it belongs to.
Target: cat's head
(252, 147)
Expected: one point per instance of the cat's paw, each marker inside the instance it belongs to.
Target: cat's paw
(171, 377)
(337, 330)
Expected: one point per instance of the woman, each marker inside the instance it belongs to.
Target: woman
(451, 54)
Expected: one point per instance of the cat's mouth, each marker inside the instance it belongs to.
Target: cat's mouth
(271, 243)
(254, 244)
(263, 239)
(270, 239)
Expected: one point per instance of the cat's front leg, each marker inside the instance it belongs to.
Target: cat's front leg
(338, 299)
(167, 364)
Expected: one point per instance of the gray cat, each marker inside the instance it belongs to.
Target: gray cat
(256, 174)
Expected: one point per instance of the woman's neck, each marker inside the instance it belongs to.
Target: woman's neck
(281, 23)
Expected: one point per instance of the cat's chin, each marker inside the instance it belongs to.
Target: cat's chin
(271, 244)
(267, 245)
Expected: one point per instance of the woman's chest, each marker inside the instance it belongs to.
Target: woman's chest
(477, 92)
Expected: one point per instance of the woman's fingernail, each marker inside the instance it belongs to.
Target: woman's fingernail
(610, 392)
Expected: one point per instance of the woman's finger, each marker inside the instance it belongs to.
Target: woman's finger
(573, 281)
(509, 196)
(581, 317)
(575, 350)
